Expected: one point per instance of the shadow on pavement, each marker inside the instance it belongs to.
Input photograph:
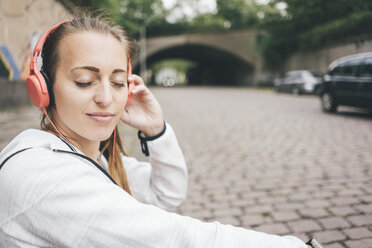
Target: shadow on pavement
(355, 113)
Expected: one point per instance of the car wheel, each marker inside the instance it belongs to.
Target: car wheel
(328, 102)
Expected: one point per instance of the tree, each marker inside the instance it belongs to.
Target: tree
(240, 13)
(309, 24)
(131, 14)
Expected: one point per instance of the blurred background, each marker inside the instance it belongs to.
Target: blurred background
(206, 42)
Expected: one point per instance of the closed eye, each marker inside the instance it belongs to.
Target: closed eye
(118, 84)
(81, 84)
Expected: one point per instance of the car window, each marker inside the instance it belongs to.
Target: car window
(348, 68)
(367, 68)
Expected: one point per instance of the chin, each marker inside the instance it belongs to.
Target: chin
(100, 134)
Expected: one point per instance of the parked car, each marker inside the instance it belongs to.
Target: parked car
(297, 82)
(348, 82)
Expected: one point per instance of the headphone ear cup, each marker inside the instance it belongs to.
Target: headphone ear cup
(48, 83)
(38, 97)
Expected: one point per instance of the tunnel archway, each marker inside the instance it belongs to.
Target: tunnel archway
(213, 66)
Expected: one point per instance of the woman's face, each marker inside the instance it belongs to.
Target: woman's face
(90, 87)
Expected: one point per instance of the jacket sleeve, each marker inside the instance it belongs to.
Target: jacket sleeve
(163, 181)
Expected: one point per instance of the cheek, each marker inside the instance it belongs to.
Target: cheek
(69, 99)
(121, 98)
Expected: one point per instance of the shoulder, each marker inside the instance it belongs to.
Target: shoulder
(30, 175)
(35, 166)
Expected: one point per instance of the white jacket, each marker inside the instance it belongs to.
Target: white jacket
(53, 199)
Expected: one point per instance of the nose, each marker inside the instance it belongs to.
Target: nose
(103, 95)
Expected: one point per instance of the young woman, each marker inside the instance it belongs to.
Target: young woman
(71, 184)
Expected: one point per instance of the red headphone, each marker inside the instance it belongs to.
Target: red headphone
(36, 83)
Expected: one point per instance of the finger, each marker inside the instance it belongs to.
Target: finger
(139, 88)
(137, 80)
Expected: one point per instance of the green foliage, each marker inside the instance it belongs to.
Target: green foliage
(239, 13)
(310, 24)
(136, 13)
(355, 24)
(131, 14)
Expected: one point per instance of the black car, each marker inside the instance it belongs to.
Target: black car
(348, 82)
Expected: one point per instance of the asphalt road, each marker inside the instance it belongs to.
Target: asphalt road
(264, 161)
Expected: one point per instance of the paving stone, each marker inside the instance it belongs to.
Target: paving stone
(243, 203)
(253, 220)
(277, 228)
(225, 197)
(360, 220)
(343, 211)
(299, 196)
(304, 226)
(318, 203)
(366, 198)
(313, 212)
(358, 233)
(329, 236)
(350, 192)
(216, 205)
(334, 222)
(362, 243)
(289, 206)
(269, 200)
(333, 245)
(285, 216)
(227, 212)
(323, 195)
(258, 209)
(341, 201)
(366, 208)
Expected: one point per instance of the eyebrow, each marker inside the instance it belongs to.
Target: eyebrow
(118, 70)
(95, 69)
(90, 68)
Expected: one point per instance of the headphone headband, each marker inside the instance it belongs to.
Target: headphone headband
(40, 43)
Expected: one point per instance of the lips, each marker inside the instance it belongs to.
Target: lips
(101, 117)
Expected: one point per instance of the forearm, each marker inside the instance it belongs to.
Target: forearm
(169, 172)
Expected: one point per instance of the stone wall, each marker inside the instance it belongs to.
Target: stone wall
(21, 24)
(13, 93)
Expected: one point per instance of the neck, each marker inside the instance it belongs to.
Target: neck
(89, 148)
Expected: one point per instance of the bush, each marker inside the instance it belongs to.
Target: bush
(355, 24)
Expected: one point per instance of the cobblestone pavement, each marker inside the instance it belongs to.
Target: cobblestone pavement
(268, 162)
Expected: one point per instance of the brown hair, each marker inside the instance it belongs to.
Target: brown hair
(85, 21)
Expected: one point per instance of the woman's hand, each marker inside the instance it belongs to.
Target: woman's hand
(143, 112)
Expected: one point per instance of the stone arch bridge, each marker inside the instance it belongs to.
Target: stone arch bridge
(224, 58)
